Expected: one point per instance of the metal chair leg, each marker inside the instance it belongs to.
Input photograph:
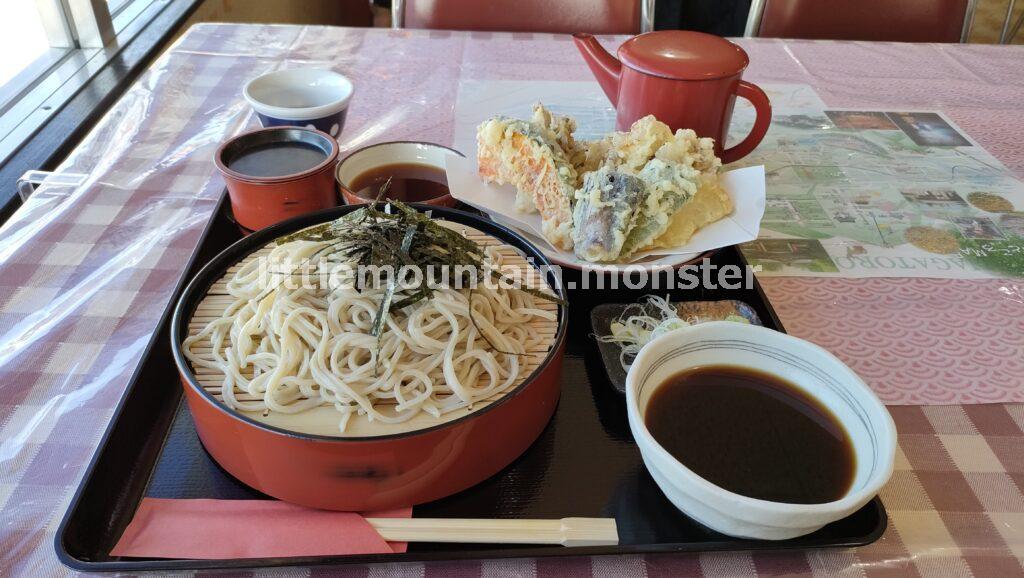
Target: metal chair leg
(1016, 29)
(398, 13)
(646, 16)
(753, 27)
(965, 32)
(1004, 35)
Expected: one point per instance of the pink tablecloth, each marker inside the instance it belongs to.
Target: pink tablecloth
(86, 272)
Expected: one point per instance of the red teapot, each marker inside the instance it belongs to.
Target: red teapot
(685, 79)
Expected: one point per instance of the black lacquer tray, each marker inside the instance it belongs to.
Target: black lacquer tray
(584, 464)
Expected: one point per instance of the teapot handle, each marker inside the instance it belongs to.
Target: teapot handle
(763, 107)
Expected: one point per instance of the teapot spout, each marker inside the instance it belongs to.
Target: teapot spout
(604, 66)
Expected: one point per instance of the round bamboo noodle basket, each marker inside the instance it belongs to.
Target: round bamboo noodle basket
(304, 459)
(324, 420)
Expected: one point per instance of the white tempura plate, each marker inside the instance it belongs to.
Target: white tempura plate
(746, 188)
(647, 264)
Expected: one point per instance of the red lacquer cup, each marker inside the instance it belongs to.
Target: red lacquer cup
(272, 196)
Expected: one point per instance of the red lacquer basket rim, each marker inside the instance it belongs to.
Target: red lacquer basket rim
(214, 270)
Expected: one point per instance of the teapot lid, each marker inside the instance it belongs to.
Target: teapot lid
(683, 54)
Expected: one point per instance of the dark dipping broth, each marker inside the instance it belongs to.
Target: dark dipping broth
(277, 159)
(410, 182)
(753, 434)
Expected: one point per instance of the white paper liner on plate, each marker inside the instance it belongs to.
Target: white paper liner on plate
(746, 188)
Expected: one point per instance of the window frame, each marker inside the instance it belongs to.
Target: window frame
(32, 96)
(51, 111)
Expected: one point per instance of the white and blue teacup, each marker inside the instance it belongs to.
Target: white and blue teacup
(305, 97)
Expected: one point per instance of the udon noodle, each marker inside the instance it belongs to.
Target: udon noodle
(294, 347)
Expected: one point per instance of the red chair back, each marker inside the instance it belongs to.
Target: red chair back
(558, 16)
(882, 20)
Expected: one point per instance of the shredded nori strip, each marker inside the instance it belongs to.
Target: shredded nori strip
(405, 237)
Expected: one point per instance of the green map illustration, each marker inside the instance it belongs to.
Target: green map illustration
(884, 194)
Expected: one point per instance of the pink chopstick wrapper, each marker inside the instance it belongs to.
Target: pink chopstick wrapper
(219, 529)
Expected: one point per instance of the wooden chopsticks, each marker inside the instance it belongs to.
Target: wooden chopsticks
(566, 531)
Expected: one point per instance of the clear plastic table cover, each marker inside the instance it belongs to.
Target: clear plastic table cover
(87, 270)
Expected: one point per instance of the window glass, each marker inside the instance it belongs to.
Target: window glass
(23, 39)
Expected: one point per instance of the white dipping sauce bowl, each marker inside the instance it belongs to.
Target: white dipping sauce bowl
(390, 153)
(805, 365)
